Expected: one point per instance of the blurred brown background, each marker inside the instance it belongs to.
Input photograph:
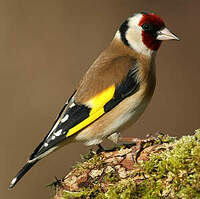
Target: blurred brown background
(46, 46)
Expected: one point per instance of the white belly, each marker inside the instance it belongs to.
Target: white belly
(127, 119)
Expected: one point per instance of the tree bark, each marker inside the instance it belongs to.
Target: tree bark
(162, 167)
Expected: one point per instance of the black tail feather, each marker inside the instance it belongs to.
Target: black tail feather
(21, 173)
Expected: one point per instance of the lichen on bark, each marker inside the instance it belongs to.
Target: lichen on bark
(166, 167)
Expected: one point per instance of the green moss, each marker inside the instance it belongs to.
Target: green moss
(111, 177)
(85, 193)
(95, 160)
(125, 189)
(173, 173)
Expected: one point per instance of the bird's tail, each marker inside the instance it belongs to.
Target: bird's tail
(21, 173)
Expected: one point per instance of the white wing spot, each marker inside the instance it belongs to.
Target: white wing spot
(55, 126)
(53, 137)
(58, 133)
(72, 105)
(13, 181)
(46, 144)
(65, 118)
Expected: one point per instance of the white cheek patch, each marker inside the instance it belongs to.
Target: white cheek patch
(134, 36)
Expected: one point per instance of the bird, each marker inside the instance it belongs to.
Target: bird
(114, 91)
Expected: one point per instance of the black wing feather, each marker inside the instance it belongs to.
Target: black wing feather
(38, 148)
(77, 114)
(129, 86)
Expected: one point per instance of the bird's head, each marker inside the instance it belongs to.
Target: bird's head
(144, 32)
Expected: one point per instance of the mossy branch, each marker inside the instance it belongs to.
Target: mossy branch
(165, 168)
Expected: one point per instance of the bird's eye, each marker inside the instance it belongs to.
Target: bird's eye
(147, 27)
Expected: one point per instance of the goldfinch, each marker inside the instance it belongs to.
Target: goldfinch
(113, 93)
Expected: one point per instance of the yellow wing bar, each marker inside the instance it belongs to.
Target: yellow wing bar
(97, 103)
(85, 122)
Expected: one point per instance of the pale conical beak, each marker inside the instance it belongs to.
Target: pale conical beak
(165, 34)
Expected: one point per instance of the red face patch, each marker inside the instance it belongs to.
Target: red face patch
(151, 23)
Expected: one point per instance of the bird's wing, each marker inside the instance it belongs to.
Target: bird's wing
(86, 105)
(79, 114)
(53, 128)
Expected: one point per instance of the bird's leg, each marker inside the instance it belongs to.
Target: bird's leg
(128, 142)
(115, 137)
(100, 149)
(136, 141)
